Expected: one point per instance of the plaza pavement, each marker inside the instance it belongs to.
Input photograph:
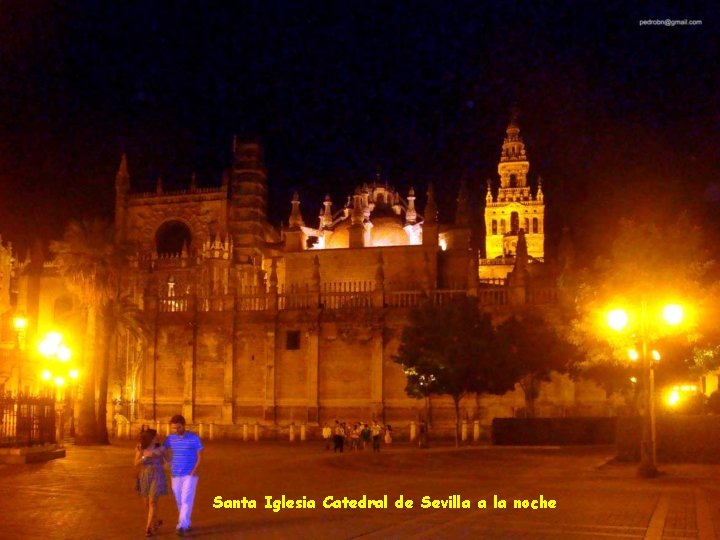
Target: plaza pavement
(90, 494)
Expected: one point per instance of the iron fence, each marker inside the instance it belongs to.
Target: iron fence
(26, 420)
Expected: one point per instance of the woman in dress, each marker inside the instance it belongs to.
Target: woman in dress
(388, 434)
(150, 456)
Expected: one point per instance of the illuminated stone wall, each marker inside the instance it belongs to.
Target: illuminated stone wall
(254, 324)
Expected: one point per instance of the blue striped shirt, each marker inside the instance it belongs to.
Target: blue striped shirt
(185, 450)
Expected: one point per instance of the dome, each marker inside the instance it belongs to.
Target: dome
(388, 231)
(338, 238)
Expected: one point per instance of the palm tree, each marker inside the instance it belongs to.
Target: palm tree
(119, 315)
(91, 263)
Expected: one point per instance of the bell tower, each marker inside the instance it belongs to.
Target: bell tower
(514, 208)
(248, 200)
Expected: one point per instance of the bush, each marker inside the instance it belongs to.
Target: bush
(680, 439)
(554, 431)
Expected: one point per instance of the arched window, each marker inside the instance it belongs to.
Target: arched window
(502, 226)
(171, 236)
(494, 226)
(514, 223)
(513, 181)
(535, 225)
(527, 225)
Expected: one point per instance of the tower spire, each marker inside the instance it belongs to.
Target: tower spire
(296, 219)
(513, 210)
(122, 178)
(430, 206)
(411, 213)
(513, 148)
(122, 187)
(326, 218)
(462, 212)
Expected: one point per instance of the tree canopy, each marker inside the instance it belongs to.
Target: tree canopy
(646, 267)
(92, 264)
(536, 349)
(452, 349)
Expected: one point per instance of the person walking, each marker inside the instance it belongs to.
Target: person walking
(365, 435)
(151, 481)
(388, 434)
(338, 437)
(376, 430)
(354, 437)
(326, 434)
(184, 447)
(423, 439)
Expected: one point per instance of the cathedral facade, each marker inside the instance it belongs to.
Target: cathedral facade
(251, 323)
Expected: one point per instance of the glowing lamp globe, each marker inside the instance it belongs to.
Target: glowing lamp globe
(617, 319)
(673, 314)
(63, 353)
(20, 323)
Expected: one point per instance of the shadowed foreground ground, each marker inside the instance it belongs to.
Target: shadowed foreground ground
(90, 494)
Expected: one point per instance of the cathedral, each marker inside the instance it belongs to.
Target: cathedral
(255, 324)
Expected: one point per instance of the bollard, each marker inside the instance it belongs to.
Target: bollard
(157, 426)
(212, 430)
(463, 431)
(476, 431)
(257, 432)
(167, 429)
(412, 431)
(303, 433)
(245, 431)
(292, 432)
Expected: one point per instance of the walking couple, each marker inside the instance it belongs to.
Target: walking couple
(182, 450)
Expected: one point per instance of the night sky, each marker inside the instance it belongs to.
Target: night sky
(619, 119)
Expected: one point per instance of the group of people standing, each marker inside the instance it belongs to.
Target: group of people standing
(357, 435)
(181, 449)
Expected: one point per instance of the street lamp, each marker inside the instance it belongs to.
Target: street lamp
(425, 382)
(58, 371)
(20, 325)
(618, 319)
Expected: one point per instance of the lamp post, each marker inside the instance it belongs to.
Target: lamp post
(618, 319)
(58, 371)
(20, 325)
(425, 382)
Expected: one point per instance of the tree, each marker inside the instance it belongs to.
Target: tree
(92, 264)
(452, 349)
(653, 265)
(119, 314)
(534, 346)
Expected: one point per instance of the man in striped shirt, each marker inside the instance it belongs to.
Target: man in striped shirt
(184, 447)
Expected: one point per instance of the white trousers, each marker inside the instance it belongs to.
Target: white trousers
(184, 490)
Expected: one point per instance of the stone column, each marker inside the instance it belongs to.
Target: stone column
(313, 362)
(376, 374)
(269, 407)
(228, 380)
(188, 385)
